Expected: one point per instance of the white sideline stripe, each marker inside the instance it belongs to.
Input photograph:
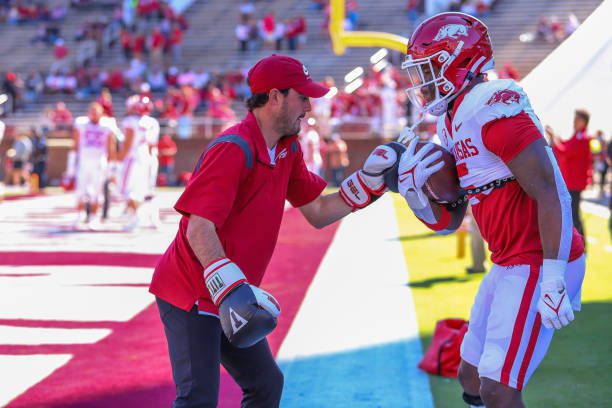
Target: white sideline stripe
(14, 335)
(19, 373)
(359, 297)
(64, 295)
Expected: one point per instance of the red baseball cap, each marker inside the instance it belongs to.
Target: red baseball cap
(282, 72)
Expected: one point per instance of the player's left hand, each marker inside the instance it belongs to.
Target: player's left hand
(554, 305)
(414, 170)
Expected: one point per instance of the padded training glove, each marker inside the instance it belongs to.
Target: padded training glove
(363, 187)
(247, 314)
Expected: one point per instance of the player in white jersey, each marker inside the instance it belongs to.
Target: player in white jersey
(95, 146)
(518, 198)
(136, 156)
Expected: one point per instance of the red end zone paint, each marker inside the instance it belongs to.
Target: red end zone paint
(130, 367)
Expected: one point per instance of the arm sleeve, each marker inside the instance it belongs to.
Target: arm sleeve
(212, 189)
(304, 186)
(507, 137)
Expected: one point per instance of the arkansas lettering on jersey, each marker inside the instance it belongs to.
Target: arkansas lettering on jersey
(507, 217)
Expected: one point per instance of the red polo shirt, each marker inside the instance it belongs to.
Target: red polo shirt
(575, 160)
(246, 204)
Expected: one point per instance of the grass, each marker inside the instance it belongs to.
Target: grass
(577, 369)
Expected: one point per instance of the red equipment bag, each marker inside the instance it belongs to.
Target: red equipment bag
(442, 356)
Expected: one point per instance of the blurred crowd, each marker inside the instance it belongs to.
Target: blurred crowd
(255, 32)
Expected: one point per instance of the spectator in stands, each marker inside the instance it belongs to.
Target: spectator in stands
(125, 38)
(61, 117)
(575, 160)
(157, 79)
(412, 10)
(557, 28)
(176, 43)
(172, 76)
(167, 151)
(267, 28)
(352, 14)
(60, 49)
(34, 86)
(543, 29)
(200, 79)
(571, 24)
(139, 45)
(136, 69)
(186, 77)
(40, 36)
(113, 80)
(293, 29)
(337, 158)
(243, 32)
(157, 43)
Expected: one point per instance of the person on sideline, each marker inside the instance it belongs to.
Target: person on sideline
(206, 283)
(575, 161)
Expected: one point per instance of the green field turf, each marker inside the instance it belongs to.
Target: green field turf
(577, 371)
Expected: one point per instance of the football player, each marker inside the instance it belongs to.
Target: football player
(136, 156)
(94, 145)
(519, 201)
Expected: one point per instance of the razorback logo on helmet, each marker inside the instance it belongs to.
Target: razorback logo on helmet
(452, 31)
(505, 96)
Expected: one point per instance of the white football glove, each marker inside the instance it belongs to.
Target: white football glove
(554, 304)
(365, 186)
(414, 170)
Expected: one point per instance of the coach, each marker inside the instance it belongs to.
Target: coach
(206, 282)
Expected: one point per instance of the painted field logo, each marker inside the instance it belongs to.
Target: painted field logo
(452, 31)
(505, 96)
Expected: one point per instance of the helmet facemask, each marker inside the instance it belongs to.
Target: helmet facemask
(429, 90)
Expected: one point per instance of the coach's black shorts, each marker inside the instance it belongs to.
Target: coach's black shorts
(197, 346)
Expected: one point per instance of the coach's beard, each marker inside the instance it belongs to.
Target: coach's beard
(286, 128)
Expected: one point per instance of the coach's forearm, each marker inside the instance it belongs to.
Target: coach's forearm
(203, 240)
(325, 210)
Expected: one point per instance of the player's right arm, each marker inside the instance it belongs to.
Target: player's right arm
(535, 168)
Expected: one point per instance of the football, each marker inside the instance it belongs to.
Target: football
(441, 187)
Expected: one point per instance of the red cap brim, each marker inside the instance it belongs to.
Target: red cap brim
(312, 89)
